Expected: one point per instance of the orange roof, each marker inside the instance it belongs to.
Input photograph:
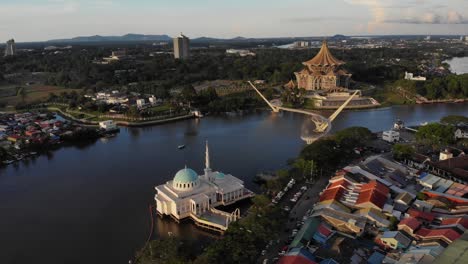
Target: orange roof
(373, 192)
(375, 185)
(324, 58)
(332, 194)
(373, 196)
(340, 183)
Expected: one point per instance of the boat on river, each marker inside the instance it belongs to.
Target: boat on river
(181, 146)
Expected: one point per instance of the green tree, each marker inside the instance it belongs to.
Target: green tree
(436, 135)
(401, 151)
(454, 120)
(353, 136)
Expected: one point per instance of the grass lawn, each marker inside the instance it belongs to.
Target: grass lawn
(160, 108)
(35, 93)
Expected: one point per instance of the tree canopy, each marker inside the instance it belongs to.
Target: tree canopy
(435, 134)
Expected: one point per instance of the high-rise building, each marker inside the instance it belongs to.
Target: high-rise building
(181, 47)
(10, 49)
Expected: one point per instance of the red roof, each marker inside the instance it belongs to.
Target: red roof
(454, 221)
(419, 214)
(295, 260)
(410, 222)
(324, 230)
(448, 233)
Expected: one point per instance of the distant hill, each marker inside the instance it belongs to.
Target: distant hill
(128, 37)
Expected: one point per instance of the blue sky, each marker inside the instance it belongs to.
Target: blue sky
(32, 20)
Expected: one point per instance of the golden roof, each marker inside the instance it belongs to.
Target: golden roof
(324, 58)
(290, 85)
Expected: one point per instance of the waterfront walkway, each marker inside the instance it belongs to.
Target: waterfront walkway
(129, 121)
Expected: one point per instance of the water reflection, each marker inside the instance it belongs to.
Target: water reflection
(95, 197)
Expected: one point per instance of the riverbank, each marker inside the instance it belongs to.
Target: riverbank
(85, 121)
(95, 187)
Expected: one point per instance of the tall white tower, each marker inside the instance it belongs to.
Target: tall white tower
(208, 171)
(10, 48)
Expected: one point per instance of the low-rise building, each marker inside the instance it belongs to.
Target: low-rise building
(443, 236)
(373, 194)
(391, 136)
(410, 76)
(409, 225)
(342, 222)
(404, 198)
(460, 133)
(140, 103)
(395, 239)
(373, 216)
(107, 125)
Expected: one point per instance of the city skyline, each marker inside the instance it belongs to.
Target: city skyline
(70, 18)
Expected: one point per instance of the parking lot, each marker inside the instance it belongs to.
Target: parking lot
(295, 219)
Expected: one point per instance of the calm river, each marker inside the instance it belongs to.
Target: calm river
(89, 204)
(458, 65)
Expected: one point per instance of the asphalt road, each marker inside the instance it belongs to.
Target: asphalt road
(298, 210)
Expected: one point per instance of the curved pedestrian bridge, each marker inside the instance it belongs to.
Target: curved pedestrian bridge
(322, 124)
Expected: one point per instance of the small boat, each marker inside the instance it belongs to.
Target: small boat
(181, 147)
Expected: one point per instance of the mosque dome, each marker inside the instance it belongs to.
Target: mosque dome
(220, 175)
(185, 179)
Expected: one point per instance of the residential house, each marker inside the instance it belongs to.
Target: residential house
(420, 215)
(373, 216)
(404, 198)
(409, 225)
(395, 239)
(459, 224)
(461, 133)
(442, 237)
(373, 194)
(342, 222)
(323, 233)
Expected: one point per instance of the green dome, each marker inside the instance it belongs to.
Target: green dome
(186, 175)
(220, 175)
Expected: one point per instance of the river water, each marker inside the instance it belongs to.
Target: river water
(458, 65)
(89, 204)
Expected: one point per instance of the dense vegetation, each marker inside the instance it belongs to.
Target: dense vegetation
(401, 151)
(159, 73)
(450, 86)
(436, 135)
(454, 120)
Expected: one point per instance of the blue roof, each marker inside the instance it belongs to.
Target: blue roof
(423, 174)
(389, 234)
(186, 175)
(376, 258)
(328, 261)
(300, 251)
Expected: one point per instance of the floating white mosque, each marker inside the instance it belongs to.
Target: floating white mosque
(194, 196)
